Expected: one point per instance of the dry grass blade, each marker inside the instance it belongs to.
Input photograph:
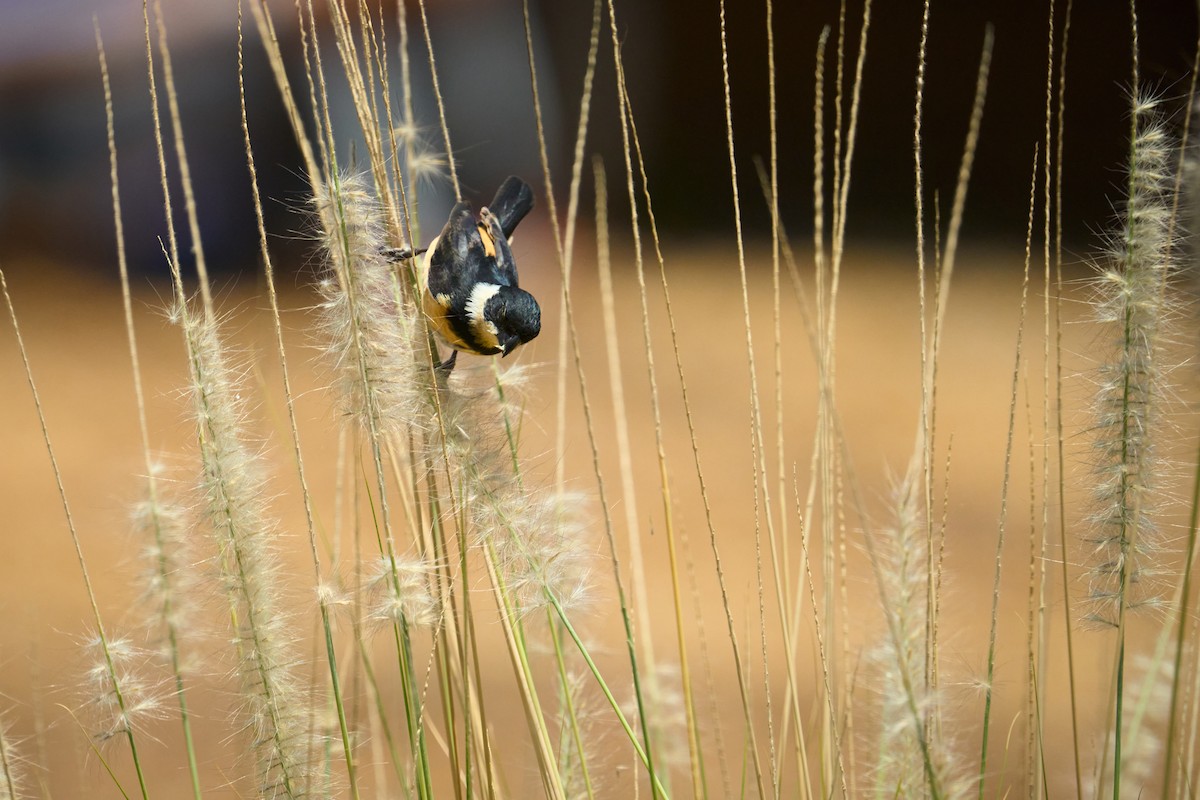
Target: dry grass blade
(323, 592)
(757, 448)
(989, 684)
(564, 264)
(113, 678)
(164, 578)
(630, 146)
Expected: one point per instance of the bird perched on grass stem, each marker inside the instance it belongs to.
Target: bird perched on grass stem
(468, 278)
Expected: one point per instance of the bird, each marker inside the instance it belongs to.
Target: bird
(468, 278)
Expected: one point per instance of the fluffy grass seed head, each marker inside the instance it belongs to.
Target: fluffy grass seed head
(480, 412)
(407, 130)
(572, 765)
(1142, 752)
(1143, 766)
(373, 329)
(666, 714)
(909, 753)
(274, 702)
(1133, 300)
(121, 693)
(170, 575)
(542, 540)
(13, 766)
(425, 164)
(399, 591)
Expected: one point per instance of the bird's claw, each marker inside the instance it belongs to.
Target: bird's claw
(444, 368)
(397, 254)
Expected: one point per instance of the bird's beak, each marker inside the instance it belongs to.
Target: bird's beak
(508, 345)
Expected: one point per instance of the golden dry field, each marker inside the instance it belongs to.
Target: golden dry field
(75, 334)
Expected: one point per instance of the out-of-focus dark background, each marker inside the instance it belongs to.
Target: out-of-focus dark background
(54, 193)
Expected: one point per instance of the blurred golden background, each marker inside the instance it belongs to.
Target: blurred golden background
(57, 251)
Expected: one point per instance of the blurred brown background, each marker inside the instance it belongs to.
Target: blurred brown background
(57, 248)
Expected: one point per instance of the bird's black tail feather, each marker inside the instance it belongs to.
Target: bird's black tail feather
(513, 200)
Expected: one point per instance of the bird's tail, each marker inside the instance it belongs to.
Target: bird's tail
(513, 200)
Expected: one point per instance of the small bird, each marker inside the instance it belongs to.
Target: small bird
(469, 278)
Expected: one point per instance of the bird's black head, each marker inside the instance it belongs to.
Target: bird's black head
(516, 315)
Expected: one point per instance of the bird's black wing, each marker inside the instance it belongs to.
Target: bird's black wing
(470, 251)
(459, 260)
(503, 268)
(512, 202)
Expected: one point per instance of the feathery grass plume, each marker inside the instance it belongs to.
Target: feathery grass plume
(140, 700)
(424, 162)
(666, 715)
(12, 778)
(1142, 767)
(540, 537)
(426, 166)
(541, 540)
(398, 591)
(911, 762)
(275, 703)
(1189, 206)
(577, 717)
(1132, 299)
(479, 407)
(169, 578)
(373, 330)
(407, 131)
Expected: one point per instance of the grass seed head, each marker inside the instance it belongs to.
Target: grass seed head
(1133, 298)
(121, 691)
(373, 329)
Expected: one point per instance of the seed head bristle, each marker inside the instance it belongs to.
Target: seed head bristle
(911, 753)
(122, 693)
(372, 327)
(400, 591)
(275, 705)
(1133, 298)
(13, 766)
(426, 166)
(169, 574)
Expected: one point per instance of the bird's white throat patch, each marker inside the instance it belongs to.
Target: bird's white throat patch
(477, 302)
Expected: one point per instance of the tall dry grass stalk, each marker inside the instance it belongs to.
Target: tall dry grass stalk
(914, 759)
(275, 707)
(161, 521)
(108, 675)
(1133, 301)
